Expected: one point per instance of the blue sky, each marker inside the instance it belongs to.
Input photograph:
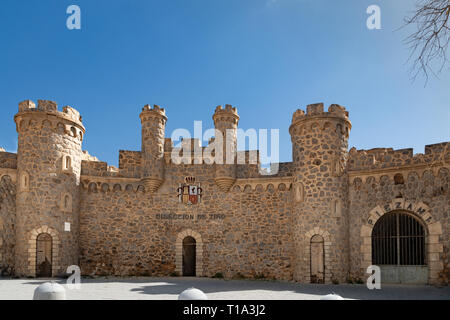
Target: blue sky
(265, 57)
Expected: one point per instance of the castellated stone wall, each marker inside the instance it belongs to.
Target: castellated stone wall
(8, 160)
(249, 234)
(49, 167)
(7, 220)
(312, 221)
(130, 163)
(382, 180)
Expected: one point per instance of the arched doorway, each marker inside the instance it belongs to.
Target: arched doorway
(398, 248)
(44, 255)
(317, 259)
(189, 256)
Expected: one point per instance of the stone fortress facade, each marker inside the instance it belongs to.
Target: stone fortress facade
(324, 217)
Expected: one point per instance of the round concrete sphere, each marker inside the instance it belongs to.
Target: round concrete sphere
(332, 297)
(192, 294)
(50, 291)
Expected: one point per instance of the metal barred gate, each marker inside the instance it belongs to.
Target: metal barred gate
(398, 248)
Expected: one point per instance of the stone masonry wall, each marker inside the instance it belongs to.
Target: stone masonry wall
(366, 192)
(122, 234)
(7, 222)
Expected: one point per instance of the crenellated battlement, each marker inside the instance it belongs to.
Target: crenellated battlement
(52, 108)
(228, 108)
(227, 114)
(316, 110)
(149, 112)
(380, 158)
(46, 114)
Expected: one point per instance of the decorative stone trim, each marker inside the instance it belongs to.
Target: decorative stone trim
(326, 247)
(420, 169)
(198, 252)
(105, 184)
(32, 249)
(264, 182)
(66, 205)
(421, 211)
(224, 183)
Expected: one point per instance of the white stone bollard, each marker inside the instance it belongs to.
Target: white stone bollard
(192, 294)
(332, 296)
(50, 291)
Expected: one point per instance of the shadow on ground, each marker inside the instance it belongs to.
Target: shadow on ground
(268, 289)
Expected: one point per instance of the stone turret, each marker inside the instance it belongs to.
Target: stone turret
(48, 165)
(153, 122)
(320, 191)
(226, 121)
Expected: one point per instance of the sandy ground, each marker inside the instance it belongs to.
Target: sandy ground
(216, 289)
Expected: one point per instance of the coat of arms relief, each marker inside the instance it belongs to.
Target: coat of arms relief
(189, 192)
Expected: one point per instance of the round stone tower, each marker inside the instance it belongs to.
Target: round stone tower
(153, 122)
(49, 167)
(320, 188)
(226, 121)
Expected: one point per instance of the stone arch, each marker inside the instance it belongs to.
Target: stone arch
(73, 132)
(326, 248)
(398, 179)
(198, 253)
(66, 164)
(24, 181)
(60, 128)
(5, 178)
(327, 125)
(317, 264)
(92, 187)
(336, 208)
(105, 187)
(299, 192)
(66, 202)
(32, 249)
(422, 212)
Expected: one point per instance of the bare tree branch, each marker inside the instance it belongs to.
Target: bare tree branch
(428, 45)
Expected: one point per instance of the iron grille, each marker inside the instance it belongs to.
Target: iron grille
(398, 239)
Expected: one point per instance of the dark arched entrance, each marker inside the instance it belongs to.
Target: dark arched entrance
(317, 259)
(398, 248)
(189, 257)
(44, 255)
